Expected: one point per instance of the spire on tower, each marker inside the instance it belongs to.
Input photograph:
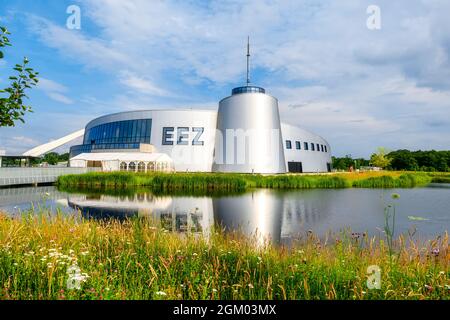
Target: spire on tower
(248, 60)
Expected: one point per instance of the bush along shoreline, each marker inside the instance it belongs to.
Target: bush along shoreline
(226, 182)
(60, 257)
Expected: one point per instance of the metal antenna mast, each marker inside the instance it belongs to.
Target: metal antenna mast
(248, 60)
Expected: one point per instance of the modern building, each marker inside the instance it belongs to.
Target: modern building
(244, 135)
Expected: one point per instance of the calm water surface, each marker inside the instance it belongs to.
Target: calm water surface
(280, 215)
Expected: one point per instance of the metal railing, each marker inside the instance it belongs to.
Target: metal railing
(18, 176)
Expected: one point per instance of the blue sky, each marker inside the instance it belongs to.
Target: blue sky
(358, 88)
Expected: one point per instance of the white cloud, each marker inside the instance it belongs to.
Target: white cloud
(141, 85)
(60, 97)
(358, 88)
(54, 90)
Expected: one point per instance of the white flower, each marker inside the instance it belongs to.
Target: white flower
(214, 290)
(161, 293)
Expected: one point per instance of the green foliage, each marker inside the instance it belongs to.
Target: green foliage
(408, 180)
(420, 160)
(53, 158)
(380, 159)
(346, 162)
(12, 107)
(208, 182)
(138, 259)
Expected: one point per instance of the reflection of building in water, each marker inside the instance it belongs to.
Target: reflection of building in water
(303, 210)
(182, 214)
(256, 213)
(273, 214)
(26, 195)
(265, 214)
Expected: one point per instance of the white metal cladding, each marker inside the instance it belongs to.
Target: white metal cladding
(256, 116)
(186, 157)
(243, 111)
(312, 161)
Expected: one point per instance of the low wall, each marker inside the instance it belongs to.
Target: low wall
(23, 176)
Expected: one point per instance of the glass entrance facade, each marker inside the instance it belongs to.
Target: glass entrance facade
(126, 134)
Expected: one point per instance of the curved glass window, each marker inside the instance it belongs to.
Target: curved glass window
(247, 89)
(123, 166)
(132, 166)
(119, 132)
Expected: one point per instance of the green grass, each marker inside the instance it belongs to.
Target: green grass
(222, 182)
(139, 260)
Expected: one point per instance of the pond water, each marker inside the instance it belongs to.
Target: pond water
(279, 215)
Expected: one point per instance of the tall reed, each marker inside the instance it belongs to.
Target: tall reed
(137, 259)
(239, 182)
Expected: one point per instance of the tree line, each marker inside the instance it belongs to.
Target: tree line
(402, 159)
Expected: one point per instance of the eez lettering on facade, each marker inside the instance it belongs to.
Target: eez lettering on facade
(180, 135)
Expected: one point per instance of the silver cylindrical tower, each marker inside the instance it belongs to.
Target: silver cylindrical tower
(248, 136)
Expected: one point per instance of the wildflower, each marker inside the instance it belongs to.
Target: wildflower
(194, 254)
(428, 287)
(356, 235)
(49, 265)
(15, 264)
(161, 293)
(214, 290)
(435, 252)
(84, 253)
(250, 286)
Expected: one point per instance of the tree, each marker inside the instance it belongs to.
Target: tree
(380, 159)
(12, 107)
(403, 160)
(51, 158)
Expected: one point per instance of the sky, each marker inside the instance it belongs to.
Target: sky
(358, 87)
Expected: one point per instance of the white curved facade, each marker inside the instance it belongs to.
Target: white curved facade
(244, 135)
(312, 160)
(248, 137)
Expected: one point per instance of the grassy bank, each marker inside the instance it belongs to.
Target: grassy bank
(137, 260)
(241, 182)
